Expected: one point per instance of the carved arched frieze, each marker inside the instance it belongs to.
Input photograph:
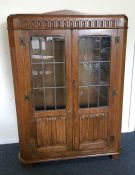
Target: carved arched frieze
(68, 22)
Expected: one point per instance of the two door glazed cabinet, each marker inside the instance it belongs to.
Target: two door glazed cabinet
(68, 71)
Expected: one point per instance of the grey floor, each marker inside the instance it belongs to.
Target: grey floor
(125, 165)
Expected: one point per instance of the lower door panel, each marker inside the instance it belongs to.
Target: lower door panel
(93, 130)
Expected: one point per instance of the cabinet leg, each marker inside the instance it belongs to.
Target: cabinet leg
(115, 156)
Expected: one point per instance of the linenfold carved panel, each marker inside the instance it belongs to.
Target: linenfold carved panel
(93, 127)
(51, 130)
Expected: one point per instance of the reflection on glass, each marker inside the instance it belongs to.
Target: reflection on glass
(83, 48)
(50, 98)
(47, 48)
(103, 96)
(60, 98)
(42, 49)
(105, 49)
(48, 72)
(39, 99)
(83, 74)
(104, 71)
(37, 75)
(93, 73)
(83, 97)
(60, 74)
(93, 96)
(94, 69)
(58, 49)
(49, 75)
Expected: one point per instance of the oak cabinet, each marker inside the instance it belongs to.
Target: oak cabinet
(68, 71)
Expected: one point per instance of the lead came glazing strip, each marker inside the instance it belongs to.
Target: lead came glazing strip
(54, 74)
(88, 55)
(49, 87)
(50, 63)
(93, 85)
(64, 79)
(104, 69)
(31, 48)
(43, 71)
(99, 67)
(84, 62)
(37, 50)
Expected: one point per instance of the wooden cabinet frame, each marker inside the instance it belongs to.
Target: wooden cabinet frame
(73, 123)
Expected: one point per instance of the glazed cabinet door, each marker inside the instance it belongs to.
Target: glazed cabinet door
(96, 68)
(49, 54)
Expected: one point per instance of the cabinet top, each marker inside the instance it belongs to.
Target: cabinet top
(66, 19)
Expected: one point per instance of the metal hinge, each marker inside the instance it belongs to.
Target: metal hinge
(117, 39)
(21, 41)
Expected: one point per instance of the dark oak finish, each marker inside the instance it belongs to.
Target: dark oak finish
(72, 56)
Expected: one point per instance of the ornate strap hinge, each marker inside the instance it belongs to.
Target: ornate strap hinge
(21, 41)
(117, 39)
(111, 140)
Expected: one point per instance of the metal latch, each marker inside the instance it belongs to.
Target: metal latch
(114, 92)
(27, 97)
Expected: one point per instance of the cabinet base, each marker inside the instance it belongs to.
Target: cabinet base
(24, 163)
(29, 163)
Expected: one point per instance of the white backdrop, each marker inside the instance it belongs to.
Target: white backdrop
(8, 124)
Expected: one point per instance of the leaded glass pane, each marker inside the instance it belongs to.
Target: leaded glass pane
(94, 70)
(48, 72)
